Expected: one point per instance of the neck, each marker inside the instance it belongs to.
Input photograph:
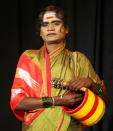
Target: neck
(52, 47)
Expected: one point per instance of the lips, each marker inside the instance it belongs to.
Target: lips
(51, 34)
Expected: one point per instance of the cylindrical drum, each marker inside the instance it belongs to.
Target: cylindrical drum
(90, 111)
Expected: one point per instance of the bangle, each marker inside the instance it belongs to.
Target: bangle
(100, 90)
(53, 101)
(47, 101)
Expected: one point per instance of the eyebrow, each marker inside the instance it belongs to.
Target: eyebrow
(56, 21)
(53, 21)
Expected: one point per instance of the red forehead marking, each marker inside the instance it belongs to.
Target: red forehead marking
(49, 17)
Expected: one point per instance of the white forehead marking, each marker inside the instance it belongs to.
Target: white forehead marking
(50, 16)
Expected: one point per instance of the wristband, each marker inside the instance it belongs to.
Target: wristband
(47, 101)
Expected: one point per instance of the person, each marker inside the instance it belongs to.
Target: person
(34, 100)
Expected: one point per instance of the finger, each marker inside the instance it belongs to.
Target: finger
(75, 85)
(80, 86)
(77, 95)
(79, 99)
(72, 84)
(74, 94)
(71, 81)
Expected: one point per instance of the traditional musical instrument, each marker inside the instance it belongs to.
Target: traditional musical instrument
(91, 109)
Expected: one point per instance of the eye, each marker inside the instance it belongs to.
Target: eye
(44, 24)
(57, 23)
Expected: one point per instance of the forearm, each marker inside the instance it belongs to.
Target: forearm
(30, 103)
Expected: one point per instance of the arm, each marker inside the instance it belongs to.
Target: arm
(69, 99)
(79, 82)
(87, 78)
(29, 103)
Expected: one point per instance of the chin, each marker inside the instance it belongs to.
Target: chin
(54, 42)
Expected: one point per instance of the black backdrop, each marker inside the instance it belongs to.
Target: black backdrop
(91, 32)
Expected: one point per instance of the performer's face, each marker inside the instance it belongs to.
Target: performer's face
(52, 29)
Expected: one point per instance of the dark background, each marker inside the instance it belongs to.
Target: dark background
(91, 32)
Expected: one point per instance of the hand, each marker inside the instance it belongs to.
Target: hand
(72, 99)
(79, 82)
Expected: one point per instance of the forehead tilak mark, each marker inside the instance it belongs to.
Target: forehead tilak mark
(50, 16)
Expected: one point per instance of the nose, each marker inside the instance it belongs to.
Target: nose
(50, 27)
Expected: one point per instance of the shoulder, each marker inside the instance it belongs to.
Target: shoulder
(79, 54)
(28, 54)
(81, 57)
